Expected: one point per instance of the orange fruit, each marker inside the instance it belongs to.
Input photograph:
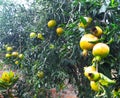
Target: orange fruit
(15, 54)
(7, 55)
(33, 35)
(40, 36)
(59, 31)
(101, 50)
(9, 49)
(85, 43)
(40, 74)
(51, 23)
(21, 56)
(16, 62)
(94, 86)
(88, 70)
(93, 76)
(97, 31)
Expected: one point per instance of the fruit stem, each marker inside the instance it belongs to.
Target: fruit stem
(85, 53)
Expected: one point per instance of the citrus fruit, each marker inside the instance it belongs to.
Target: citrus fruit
(9, 49)
(16, 62)
(21, 56)
(40, 36)
(32, 35)
(94, 86)
(88, 70)
(51, 23)
(97, 31)
(88, 21)
(93, 76)
(59, 31)
(7, 55)
(101, 50)
(15, 54)
(40, 74)
(85, 41)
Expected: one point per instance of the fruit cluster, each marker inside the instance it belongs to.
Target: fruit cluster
(100, 50)
(59, 30)
(34, 35)
(14, 55)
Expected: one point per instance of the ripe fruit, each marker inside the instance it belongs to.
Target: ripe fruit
(59, 31)
(94, 86)
(40, 74)
(16, 62)
(40, 36)
(51, 23)
(15, 54)
(101, 49)
(85, 41)
(21, 56)
(9, 49)
(88, 70)
(32, 35)
(97, 31)
(7, 55)
(88, 21)
(93, 76)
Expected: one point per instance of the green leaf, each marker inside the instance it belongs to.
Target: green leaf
(83, 20)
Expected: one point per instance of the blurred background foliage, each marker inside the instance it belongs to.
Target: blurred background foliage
(59, 57)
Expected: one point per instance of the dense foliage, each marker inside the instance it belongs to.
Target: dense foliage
(58, 57)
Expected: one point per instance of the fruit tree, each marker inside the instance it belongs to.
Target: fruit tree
(49, 41)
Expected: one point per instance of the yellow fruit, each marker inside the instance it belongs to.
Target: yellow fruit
(85, 43)
(88, 70)
(101, 50)
(40, 36)
(97, 31)
(16, 62)
(15, 54)
(7, 55)
(94, 86)
(88, 21)
(32, 35)
(9, 49)
(40, 74)
(21, 56)
(59, 31)
(51, 23)
(93, 76)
